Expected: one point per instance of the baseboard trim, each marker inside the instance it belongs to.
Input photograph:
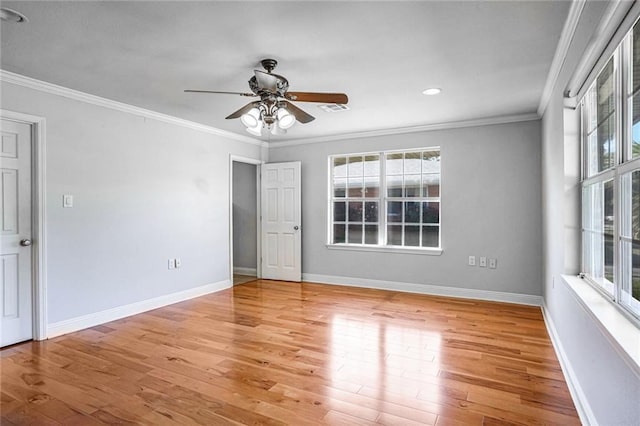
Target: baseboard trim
(240, 270)
(91, 320)
(465, 293)
(577, 394)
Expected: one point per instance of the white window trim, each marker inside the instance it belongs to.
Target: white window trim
(382, 199)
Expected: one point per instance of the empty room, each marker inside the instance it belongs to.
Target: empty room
(320, 212)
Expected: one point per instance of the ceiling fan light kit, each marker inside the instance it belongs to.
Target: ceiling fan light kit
(273, 111)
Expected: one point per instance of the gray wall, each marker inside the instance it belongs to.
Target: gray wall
(610, 386)
(144, 191)
(490, 207)
(244, 215)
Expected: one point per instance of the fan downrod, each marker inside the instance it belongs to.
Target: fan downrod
(269, 64)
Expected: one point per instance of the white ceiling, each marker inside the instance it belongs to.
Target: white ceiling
(490, 58)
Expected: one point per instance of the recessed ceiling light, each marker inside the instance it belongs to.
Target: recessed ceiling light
(10, 15)
(432, 91)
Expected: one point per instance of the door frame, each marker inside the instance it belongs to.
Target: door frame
(38, 218)
(258, 164)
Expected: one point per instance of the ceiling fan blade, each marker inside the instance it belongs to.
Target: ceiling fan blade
(299, 114)
(223, 93)
(266, 81)
(327, 98)
(243, 110)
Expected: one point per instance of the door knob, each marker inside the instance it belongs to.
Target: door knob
(25, 243)
(295, 228)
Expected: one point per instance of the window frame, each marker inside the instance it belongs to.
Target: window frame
(621, 176)
(382, 199)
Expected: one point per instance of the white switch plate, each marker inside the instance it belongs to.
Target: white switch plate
(178, 263)
(172, 264)
(472, 261)
(67, 201)
(493, 263)
(483, 262)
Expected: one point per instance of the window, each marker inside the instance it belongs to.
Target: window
(611, 177)
(389, 199)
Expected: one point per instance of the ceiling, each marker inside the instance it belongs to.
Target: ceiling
(489, 58)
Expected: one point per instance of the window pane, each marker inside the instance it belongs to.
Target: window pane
(339, 210)
(393, 164)
(394, 186)
(605, 84)
(412, 235)
(412, 163)
(372, 186)
(635, 125)
(635, 59)
(371, 234)
(431, 185)
(355, 166)
(630, 241)
(431, 162)
(394, 211)
(339, 188)
(340, 167)
(430, 236)
(355, 187)
(608, 230)
(355, 234)
(371, 211)
(431, 212)
(394, 235)
(372, 165)
(338, 234)
(412, 212)
(411, 185)
(355, 211)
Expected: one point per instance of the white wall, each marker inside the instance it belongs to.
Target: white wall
(244, 215)
(610, 388)
(144, 191)
(490, 207)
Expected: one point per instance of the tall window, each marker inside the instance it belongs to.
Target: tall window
(611, 176)
(386, 199)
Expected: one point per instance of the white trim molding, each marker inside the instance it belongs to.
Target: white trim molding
(577, 394)
(91, 320)
(568, 31)
(434, 290)
(39, 218)
(241, 270)
(42, 86)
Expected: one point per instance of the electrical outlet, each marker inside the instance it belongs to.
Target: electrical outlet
(483, 262)
(172, 264)
(493, 263)
(178, 263)
(472, 261)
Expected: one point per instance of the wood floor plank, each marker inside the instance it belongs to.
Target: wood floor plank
(275, 353)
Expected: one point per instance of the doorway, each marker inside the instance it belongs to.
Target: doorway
(245, 220)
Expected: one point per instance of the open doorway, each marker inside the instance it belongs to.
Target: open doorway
(244, 221)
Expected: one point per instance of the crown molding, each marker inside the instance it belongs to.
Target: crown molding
(566, 37)
(505, 119)
(42, 86)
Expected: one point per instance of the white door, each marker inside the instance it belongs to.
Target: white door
(15, 253)
(281, 224)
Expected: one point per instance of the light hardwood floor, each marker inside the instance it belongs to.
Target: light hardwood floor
(270, 352)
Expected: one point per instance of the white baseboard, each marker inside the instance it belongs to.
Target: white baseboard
(466, 293)
(577, 394)
(241, 270)
(97, 318)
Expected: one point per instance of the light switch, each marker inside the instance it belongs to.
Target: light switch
(67, 201)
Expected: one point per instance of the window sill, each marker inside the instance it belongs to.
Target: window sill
(384, 249)
(620, 330)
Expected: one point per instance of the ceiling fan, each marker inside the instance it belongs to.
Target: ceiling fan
(273, 111)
